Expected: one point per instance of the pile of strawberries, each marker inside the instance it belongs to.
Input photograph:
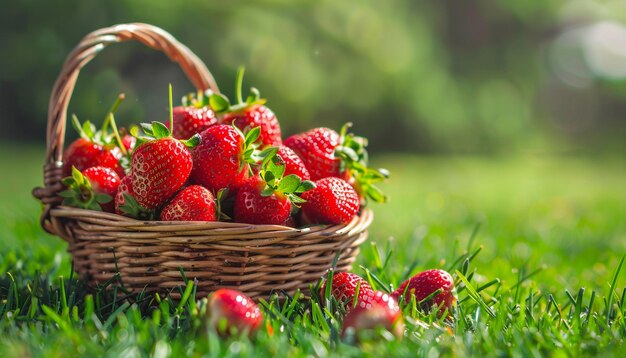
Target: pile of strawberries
(217, 161)
(366, 309)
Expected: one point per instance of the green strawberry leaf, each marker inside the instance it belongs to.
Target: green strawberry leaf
(193, 141)
(89, 130)
(267, 191)
(252, 135)
(269, 177)
(267, 154)
(67, 194)
(103, 198)
(305, 186)
(219, 103)
(147, 128)
(289, 184)
(159, 130)
(254, 96)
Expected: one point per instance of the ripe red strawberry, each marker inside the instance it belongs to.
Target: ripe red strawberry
(83, 154)
(426, 283)
(332, 201)
(94, 147)
(230, 310)
(377, 310)
(253, 208)
(326, 153)
(223, 158)
(129, 142)
(293, 163)
(194, 203)
(249, 114)
(193, 116)
(93, 189)
(160, 165)
(344, 287)
(268, 196)
(316, 148)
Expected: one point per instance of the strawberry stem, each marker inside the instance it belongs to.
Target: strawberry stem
(116, 133)
(239, 84)
(171, 109)
(114, 107)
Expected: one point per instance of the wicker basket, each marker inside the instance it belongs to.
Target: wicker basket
(256, 259)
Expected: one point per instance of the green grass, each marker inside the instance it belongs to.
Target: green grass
(548, 234)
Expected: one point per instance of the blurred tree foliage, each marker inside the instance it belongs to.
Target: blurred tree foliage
(429, 76)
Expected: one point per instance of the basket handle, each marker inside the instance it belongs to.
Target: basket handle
(84, 52)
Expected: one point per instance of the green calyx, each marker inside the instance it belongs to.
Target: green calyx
(157, 130)
(221, 104)
(135, 210)
(198, 100)
(354, 160)
(250, 153)
(88, 131)
(272, 171)
(80, 194)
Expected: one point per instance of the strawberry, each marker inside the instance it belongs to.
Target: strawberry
(268, 196)
(326, 153)
(193, 116)
(377, 310)
(84, 153)
(92, 188)
(344, 285)
(230, 310)
(160, 164)
(293, 163)
(332, 201)
(194, 203)
(249, 114)
(129, 142)
(223, 158)
(317, 150)
(425, 284)
(95, 147)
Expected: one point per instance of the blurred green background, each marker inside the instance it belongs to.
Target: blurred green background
(473, 76)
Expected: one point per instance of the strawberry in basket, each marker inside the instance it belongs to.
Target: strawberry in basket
(95, 147)
(93, 188)
(160, 165)
(327, 153)
(224, 157)
(249, 114)
(269, 196)
(194, 116)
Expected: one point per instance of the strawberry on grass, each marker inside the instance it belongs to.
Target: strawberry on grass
(344, 286)
(93, 188)
(374, 310)
(249, 114)
(231, 311)
(430, 288)
(269, 197)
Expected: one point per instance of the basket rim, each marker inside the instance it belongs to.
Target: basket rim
(68, 212)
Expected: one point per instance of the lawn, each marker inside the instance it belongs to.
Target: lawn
(540, 237)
